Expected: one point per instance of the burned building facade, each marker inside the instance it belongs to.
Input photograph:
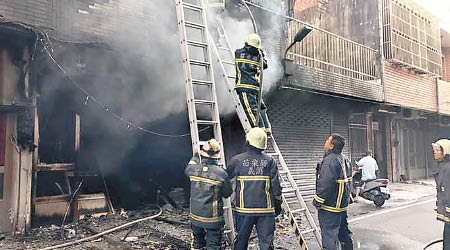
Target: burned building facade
(94, 108)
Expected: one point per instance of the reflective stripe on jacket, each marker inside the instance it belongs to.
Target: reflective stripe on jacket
(332, 185)
(442, 177)
(209, 184)
(248, 68)
(257, 182)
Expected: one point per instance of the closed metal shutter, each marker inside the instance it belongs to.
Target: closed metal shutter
(301, 131)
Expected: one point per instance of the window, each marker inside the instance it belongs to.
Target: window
(2, 175)
(2, 138)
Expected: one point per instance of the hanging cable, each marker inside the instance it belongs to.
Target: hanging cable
(47, 47)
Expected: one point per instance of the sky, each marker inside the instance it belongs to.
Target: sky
(439, 8)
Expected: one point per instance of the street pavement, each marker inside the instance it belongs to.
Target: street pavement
(405, 222)
(402, 228)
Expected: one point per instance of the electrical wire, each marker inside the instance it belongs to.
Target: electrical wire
(105, 232)
(95, 100)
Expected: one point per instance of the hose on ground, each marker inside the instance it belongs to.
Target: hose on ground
(104, 232)
(432, 243)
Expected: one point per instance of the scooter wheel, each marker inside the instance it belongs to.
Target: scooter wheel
(378, 200)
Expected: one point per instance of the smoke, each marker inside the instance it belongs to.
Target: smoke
(142, 80)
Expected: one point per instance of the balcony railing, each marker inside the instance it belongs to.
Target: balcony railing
(327, 51)
(411, 37)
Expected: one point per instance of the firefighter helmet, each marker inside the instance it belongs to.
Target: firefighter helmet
(254, 40)
(257, 138)
(211, 149)
(445, 145)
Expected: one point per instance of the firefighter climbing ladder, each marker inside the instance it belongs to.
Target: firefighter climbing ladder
(199, 81)
(307, 235)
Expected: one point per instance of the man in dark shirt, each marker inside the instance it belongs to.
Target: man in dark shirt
(258, 191)
(248, 81)
(209, 184)
(333, 195)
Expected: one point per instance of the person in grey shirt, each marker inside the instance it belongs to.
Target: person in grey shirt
(369, 168)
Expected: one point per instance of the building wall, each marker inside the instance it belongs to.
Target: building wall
(38, 12)
(444, 97)
(446, 64)
(407, 89)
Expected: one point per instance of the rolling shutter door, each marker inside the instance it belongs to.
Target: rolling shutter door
(301, 131)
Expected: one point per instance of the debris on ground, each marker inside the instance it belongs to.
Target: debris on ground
(171, 230)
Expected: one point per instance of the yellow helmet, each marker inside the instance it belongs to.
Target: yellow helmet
(254, 40)
(211, 149)
(445, 145)
(257, 138)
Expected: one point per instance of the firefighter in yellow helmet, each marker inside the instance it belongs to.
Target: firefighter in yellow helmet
(441, 154)
(258, 191)
(209, 184)
(248, 81)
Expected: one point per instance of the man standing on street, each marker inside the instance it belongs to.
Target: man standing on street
(258, 191)
(209, 184)
(333, 195)
(441, 154)
(369, 171)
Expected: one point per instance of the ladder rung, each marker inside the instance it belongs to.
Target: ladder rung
(194, 25)
(288, 190)
(199, 63)
(226, 62)
(204, 122)
(234, 77)
(308, 231)
(192, 6)
(273, 154)
(207, 102)
(224, 48)
(196, 44)
(282, 171)
(201, 82)
(298, 210)
(227, 231)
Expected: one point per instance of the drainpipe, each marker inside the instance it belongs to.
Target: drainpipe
(381, 47)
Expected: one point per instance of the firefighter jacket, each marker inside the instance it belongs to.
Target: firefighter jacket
(258, 188)
(209, 184)
(333, 180)
(215, 3)
(442, 177)
(248, 69)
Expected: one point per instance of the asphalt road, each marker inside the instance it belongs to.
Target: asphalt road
(404, 228)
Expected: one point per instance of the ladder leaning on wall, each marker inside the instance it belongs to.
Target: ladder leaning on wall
(308, 234)
(200, 86)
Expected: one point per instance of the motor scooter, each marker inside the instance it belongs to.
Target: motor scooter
(376, 190)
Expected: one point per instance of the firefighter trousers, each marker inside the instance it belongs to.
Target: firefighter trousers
(447, 236)
(249, 101)
(265, 227)
(203, 237)
(334, 230)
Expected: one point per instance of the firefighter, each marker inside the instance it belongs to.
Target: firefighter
(209, 184)
(248, 82)
(441, 154)
(332, 196)
(258, 191)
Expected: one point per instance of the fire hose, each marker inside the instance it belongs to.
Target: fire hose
(432, 243)
(105, 232)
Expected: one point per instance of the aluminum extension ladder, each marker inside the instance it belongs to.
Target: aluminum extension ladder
(308, 234)
(200, 86)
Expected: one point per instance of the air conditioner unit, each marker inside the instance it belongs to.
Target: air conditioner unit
(409, 114)
(444, 121)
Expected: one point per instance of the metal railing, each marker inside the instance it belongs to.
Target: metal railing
(327, 51)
